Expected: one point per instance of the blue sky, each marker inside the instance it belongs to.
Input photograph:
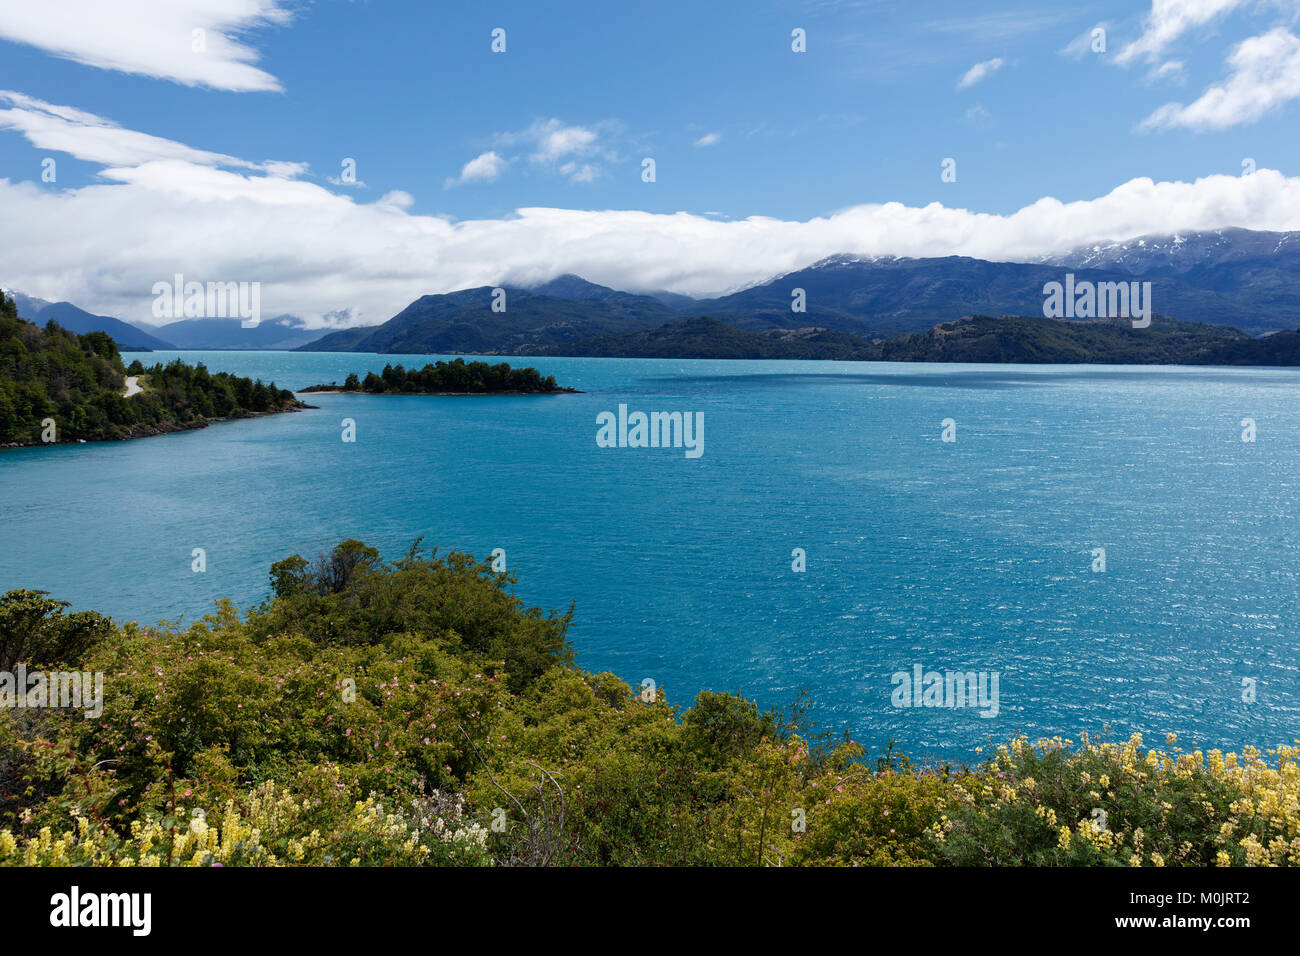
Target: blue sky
(737, 123)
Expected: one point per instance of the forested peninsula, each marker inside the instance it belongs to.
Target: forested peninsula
(58, 386)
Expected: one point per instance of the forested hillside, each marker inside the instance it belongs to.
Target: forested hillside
(58, 386)
(978, 339)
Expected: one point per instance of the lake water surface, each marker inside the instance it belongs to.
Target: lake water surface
(974, 555)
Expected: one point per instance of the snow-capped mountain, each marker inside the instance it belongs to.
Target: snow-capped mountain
(1181, 252)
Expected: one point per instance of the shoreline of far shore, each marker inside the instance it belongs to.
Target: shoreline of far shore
(317, 390)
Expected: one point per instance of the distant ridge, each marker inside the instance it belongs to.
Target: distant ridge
(977, 339)
(890, 295)
(128, 337)
(281, 332)
(464, 322)
(1186, 251)
(1249, 280)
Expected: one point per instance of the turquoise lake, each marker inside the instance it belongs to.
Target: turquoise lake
(974, 555)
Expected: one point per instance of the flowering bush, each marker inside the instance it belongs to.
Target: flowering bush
(416, 713)
(268, 826)
(1047, 803)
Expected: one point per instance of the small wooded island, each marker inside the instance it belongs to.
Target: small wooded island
(57, 386)
(456, 377)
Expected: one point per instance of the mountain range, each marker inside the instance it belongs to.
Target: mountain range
(1248, 280)
(1233, 277)
(1238, 277)
(281, 332)
(1004, 339)
(465, 322)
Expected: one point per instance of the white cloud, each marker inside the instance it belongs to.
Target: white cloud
(709, 139)
(555, 140)
(1265, 75)
(153, 38)
(316, 251)
(483, 168)
(573, 151)
(1174, 71)
(999, 26)
(1169, 20)
(580, 172)
(97, 140)
(980, 71)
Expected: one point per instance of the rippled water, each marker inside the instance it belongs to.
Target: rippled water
(974, 555)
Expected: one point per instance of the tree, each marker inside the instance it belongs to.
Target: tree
(100, 343)
(289, 576)
(334, 573)
(34, 630)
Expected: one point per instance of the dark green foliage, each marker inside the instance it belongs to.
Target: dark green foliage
(351, 597)
(78, 380)
(34, 630)
(456, 377)
(721, 727)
